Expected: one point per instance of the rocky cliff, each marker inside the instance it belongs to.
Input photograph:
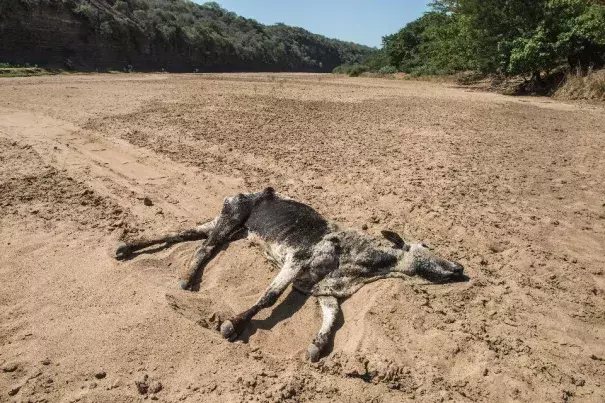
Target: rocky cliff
(175, 35)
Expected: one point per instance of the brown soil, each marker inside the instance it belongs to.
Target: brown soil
(512, 188)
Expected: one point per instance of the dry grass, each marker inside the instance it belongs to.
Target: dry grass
(578, 86)
(23, 71)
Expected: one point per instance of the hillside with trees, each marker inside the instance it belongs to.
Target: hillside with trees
(532, 38)
(171, 35)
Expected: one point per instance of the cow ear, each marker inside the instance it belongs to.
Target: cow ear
(394, 238)
(269, 191)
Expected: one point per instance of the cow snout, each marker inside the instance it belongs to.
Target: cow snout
(458, 269)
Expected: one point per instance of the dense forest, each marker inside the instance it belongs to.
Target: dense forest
(533, 38)
(175, 35)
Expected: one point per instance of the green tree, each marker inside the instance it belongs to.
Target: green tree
(571, 32)
(500, 36)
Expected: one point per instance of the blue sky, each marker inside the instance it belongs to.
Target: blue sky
(360, 21)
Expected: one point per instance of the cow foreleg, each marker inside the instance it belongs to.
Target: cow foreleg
(329, 309)
(233, 327)
(228, 223)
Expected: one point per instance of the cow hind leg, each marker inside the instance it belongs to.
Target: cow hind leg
(125, 250)
(329, 309)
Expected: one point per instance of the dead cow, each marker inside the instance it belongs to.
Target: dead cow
(315, 255)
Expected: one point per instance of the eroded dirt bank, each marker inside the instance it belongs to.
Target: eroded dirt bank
(513, 188)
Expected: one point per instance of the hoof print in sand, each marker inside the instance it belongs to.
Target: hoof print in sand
(202, 311)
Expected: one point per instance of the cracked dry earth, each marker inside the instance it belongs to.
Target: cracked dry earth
(513, 188)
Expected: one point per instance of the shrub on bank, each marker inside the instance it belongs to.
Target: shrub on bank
(579, 86)
(387, 70)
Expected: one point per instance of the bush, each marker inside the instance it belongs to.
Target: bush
(387, 70)
(577, 86)
(352, 70)
(86, 11)
(469, 77)
(357, 69)
(342, 69)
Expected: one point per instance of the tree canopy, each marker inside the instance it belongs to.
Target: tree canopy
(525, 37)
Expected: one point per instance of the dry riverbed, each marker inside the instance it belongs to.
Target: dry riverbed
(513, 188)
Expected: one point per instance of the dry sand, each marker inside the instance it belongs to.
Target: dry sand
(514, 188)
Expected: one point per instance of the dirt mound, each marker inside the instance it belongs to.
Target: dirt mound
(38, 194)
(511, 188)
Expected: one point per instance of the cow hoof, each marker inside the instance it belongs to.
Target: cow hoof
(184, 284)
(313, 353)
(228, 330)
(122, 251)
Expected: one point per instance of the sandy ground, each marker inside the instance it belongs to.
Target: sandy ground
(513, 188)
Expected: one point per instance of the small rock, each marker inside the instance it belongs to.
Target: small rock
(142, 385)
(45, 362)
(10, 367)
(14, 390)
(92, 385)
(555, 222)
(579, 382)
(100, 375)
(116, 384)
(147, 201)
(485, 372)
(155, 387)
(496, 248)
(364, 227)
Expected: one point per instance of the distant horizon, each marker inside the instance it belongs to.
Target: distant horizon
(352, 21)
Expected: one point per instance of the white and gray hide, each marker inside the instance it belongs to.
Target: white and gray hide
(316, 256)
